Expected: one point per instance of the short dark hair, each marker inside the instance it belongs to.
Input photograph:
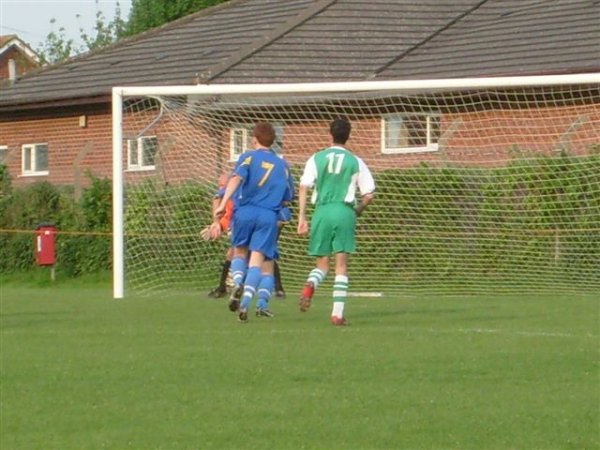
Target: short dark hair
(264, 133)
(340, 130)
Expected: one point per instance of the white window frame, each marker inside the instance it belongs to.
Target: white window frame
(246, 135)
(33, 170)
(139, 166)
(431, 145)
(246, 131)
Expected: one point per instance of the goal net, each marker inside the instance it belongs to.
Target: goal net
(483, 185)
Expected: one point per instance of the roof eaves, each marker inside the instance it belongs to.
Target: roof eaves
(18, 43)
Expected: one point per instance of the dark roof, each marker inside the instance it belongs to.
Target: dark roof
(269, 41)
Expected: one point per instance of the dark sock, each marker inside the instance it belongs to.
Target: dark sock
(224, 274)
(277, 273)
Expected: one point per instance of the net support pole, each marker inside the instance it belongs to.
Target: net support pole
(117, 195)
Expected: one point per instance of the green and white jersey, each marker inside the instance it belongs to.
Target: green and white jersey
(335, 173)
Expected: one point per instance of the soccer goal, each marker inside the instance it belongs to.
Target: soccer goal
(483, 184)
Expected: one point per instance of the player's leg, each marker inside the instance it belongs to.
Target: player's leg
(242, 228)
(265, 290)
(221, 289)
(239, 267)
(344, 242)
(253, 278)
(314, 279)
(279, 291)
(340, 289)
(263, 246)
(321, 235)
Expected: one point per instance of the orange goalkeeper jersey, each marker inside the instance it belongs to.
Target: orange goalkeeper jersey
(225, 221)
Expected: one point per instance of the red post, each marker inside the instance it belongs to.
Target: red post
(45, 254)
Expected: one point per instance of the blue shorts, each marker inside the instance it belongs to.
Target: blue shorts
(255, 228)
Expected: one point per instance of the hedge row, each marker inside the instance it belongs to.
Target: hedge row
(535, 212)
(83, 244)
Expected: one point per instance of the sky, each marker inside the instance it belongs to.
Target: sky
(30, 19)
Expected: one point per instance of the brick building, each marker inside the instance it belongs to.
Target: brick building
(55, 123)
(14, 50)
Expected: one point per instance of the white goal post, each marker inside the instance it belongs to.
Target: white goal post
(460, 134)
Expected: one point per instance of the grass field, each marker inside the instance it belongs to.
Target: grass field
(82, 371)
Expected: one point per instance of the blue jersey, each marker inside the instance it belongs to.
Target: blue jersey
(267, 181)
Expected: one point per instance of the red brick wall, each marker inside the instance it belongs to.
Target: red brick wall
(189, 151)
(72, 149)
(23, 64)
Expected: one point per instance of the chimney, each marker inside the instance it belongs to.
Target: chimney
(12, 70)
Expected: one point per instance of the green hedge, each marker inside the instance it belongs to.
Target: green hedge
(541, 212)
(83, 243)
(532, 215)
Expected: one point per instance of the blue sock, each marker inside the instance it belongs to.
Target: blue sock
(250, 286)
(265, 289)
(239, 266)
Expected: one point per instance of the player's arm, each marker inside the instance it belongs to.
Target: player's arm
(214, 230)
(365, 201)
(302, 222)
(366, 186)
(232, 186)
(306, 181)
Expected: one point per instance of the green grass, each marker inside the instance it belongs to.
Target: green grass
(82, 371)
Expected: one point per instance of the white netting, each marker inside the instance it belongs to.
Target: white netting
(477, 189)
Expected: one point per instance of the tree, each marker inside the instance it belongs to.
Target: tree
(58, 48)
(144, 14)
(147, 14)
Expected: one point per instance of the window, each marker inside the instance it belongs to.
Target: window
(405, 133)
(240, 140)
(34, 159)
(141, 153)
(3, 154)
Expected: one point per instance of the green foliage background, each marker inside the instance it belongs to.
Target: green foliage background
(147, 14)
(536, 218)
(83, 244)
(144, 15)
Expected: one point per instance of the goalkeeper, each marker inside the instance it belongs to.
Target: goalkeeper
(224, 225)
(285, 215)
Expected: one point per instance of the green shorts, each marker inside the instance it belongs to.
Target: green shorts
(332, 230)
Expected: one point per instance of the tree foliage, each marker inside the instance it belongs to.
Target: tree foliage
(147, 14)
(58, 48)
(144, 15)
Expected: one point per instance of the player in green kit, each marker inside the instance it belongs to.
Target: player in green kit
(335, 174)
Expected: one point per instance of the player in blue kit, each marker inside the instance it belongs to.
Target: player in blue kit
(263, 184)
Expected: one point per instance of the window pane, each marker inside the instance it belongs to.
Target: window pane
(278, 144)
(149, 147)
(247, 139)
(238, 141)
(393, 132)
(3, 154)
(27, 159)
(41, 158)
(434, 129)
(133, 153)
(417, 131)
